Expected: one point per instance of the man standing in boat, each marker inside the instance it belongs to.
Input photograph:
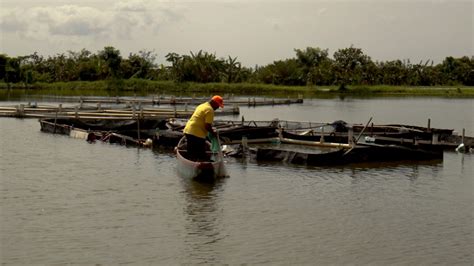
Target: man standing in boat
(199, 125)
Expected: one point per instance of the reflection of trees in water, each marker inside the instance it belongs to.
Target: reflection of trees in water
(203, 218)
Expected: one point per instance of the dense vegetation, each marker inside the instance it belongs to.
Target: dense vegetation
(310, 67)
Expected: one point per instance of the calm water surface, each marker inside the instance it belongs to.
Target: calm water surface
(66, 201)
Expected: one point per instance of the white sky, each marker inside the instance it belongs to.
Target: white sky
(256, 32)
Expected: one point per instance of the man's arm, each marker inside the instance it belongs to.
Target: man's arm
(210, 129)
(209, 119)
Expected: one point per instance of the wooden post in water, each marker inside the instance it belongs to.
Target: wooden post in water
(434, 139)
(55, 121)
(20, 110)
(429, 125)
(235, 109)
(463, 134)
(138, 130)
(350, 137)
(322, 134)
(244, 144)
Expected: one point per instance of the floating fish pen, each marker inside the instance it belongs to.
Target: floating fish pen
(126, 132)
(334, 143)
(358, 154)
(336, 134)
(101, 112)
(174, 100)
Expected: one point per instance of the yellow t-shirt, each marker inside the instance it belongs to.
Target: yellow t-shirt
(204, 114)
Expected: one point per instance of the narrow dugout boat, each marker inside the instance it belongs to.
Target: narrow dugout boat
(206, 171)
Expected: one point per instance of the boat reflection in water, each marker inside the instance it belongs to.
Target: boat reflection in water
(203, 221)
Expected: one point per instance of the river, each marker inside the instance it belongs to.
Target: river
(64, 201)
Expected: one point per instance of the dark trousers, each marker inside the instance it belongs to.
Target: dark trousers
(196, 148)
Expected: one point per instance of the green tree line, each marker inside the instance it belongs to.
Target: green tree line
(311, 66)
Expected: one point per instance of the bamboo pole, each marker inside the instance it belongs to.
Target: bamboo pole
(55, 122)
(315, 143)
(138, 129)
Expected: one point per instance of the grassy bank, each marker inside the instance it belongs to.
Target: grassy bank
(146, 87)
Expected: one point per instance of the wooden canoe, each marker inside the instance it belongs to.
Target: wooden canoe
(207, 171)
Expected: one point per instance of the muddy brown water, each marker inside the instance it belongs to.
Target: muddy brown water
(66, 201)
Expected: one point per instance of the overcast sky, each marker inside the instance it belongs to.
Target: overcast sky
(256, 32)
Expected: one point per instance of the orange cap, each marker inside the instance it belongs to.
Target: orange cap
(218, 99)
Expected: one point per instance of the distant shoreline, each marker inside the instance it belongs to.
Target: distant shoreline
(147, 87)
